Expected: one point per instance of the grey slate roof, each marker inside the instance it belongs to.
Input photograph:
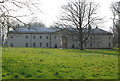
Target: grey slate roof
(50, 30)
(99, 31)
(33, 30)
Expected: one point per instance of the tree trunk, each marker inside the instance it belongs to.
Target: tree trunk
(81, 46)
(118, 38)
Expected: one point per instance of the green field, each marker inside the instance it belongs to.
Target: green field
(41, 63)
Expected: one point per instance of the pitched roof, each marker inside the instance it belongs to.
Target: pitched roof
(100, 31)
(50, 30)
(33, 30)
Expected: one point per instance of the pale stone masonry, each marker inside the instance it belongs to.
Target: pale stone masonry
(54, 38)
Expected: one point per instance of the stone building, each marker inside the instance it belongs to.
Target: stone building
(55, 38)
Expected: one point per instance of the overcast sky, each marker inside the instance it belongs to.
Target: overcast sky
(51, 10)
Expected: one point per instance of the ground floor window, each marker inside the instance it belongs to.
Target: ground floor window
(97, 44)
(11, 45)
(26, 44)
(40, 44)
(73, 46)
(46, 44)
(109, 44)
(33, 44)
(90, 44)
(55, 45)
(85, 44)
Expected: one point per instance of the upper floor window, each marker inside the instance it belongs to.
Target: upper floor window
(46, 37)
(109, 37)
(33, 37)
(40, 37)
(90, 37)
(11, 37)
(54, 37)
(26, 37)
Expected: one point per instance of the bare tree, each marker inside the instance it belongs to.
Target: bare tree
(79, 15)
(36, 23)
(116, 21)
(6, 12)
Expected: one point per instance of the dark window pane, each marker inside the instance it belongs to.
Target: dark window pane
(26, 44)
(54, 37)
(46, 44)
(33, 44)
(90, 44)
(46, 37)
(33, 37)
(11, 45)
(40, 37)
(11, 37)
(40, 44)
(26, 37)
(109, 44)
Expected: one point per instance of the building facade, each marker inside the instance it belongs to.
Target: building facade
(54, 38)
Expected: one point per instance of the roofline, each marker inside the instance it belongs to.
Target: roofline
(51, 33)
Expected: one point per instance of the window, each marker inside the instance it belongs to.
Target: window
(97, 44)
(85, 45)
(54, 37)
(46, 37)
(73, 46)
(55, 45)
(90, 37)
(40, 44)
(33, 44)
(40, 37)
(26, 37)
(90, 44)
(33, 37)
(11, 37)
(26, 44)
(11, 45)
(109, 37)
(46, 44)
(109, 44)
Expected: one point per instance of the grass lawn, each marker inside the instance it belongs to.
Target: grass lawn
(41, 63)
